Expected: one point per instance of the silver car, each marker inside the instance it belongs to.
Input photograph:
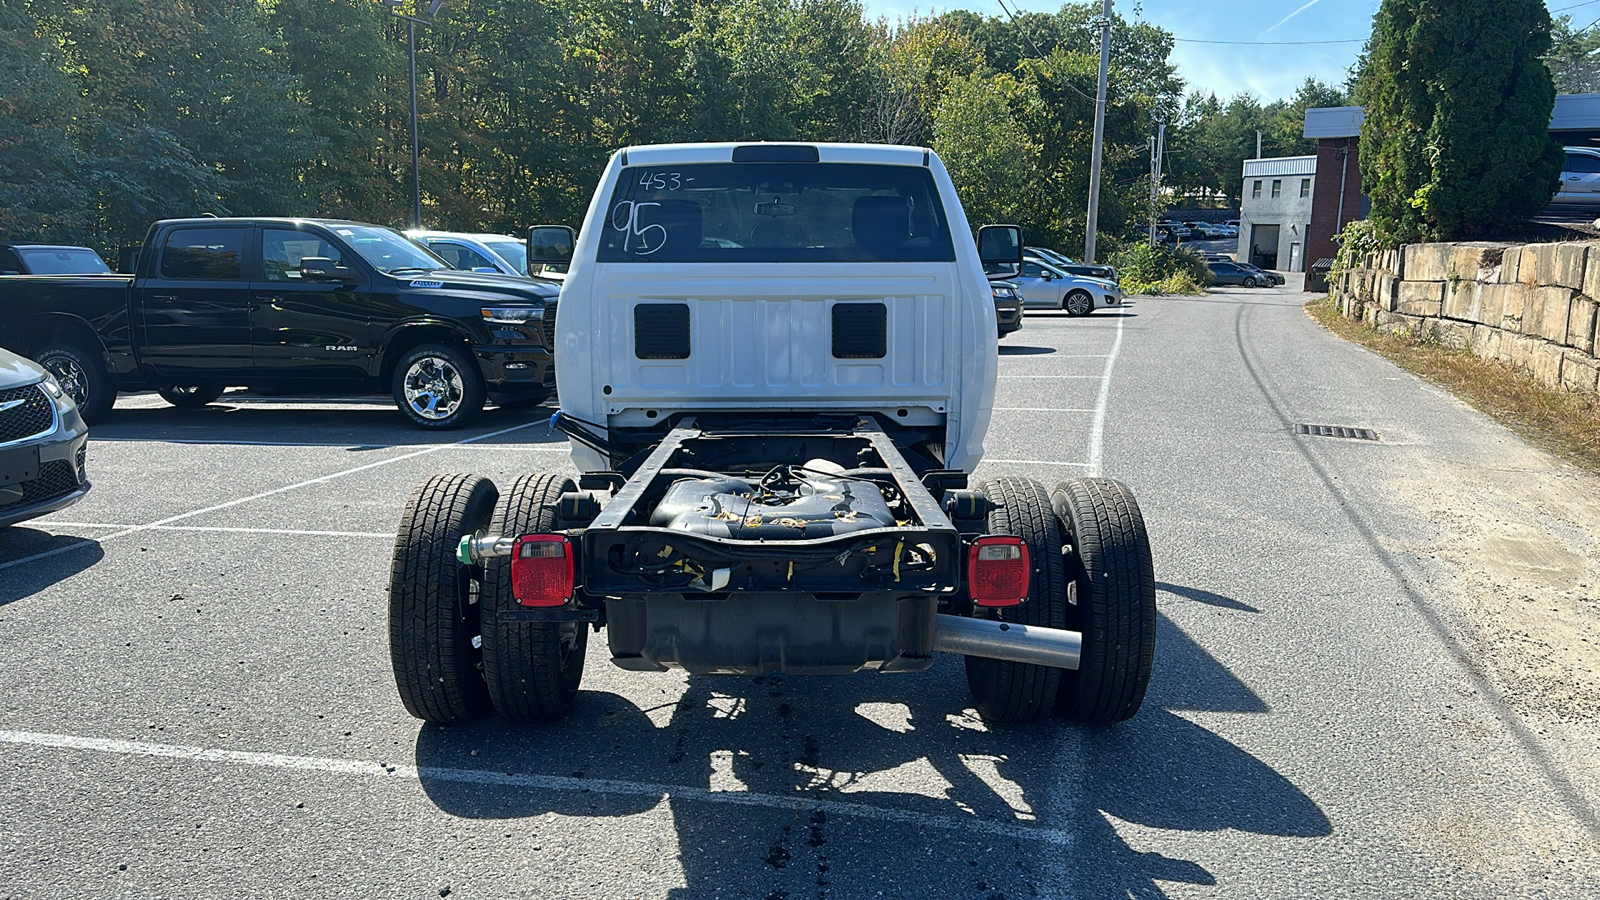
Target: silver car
(1044, 286)
(1580, 177)
(43, 442)
(502, 254)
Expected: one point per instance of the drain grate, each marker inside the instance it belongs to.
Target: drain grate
(1337, 431)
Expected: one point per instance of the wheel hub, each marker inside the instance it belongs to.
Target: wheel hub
(433, 388)
(70, 376)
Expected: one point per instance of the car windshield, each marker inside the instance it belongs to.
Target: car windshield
(388, 250)
(776, 212)
(63, 261)
(513, 252)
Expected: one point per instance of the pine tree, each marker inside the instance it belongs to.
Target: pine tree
(1458, 101)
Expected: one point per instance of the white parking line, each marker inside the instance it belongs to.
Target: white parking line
(222, 529)
(1047, 376)
(1034, 462)
(349, 445)
(1037, 409)
(1097, 430)
(77, 545)
(602, 786)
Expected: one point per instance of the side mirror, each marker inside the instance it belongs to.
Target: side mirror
(1001, 245)
(321, 268)
(550, 244)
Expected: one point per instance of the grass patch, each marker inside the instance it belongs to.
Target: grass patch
(1563, 422)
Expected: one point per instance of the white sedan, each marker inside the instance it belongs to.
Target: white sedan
(1046, 287)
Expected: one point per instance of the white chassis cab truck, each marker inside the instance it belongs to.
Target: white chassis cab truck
(776, 364)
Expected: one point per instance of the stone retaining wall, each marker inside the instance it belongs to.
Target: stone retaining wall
(1530, 305)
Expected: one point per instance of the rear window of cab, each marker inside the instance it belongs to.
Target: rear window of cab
(775, 212)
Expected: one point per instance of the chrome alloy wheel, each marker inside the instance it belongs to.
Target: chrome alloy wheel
(1079, 303)
(434, 388)
(73, 380)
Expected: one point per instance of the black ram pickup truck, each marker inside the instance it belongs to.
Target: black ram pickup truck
(309, 306)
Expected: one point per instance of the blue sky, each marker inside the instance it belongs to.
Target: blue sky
(1268, 71)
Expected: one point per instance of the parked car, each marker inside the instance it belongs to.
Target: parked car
(1580, 177)
(501, 254)
(1173, 234)
(1007, 307)
(1272, 278)
(1234, 273)
(1225, 231)
(304, 305)
(1046, 287)
(43, 442)
(50, 259)
(1071, 266)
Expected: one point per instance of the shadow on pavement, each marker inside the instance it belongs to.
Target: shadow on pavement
(20, 542)
(882, 781)
(1015, 350)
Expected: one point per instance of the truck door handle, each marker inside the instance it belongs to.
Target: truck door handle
(165, 297)
(274, 301)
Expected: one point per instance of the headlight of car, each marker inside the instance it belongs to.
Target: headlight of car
(512, 315)
(1004, 292)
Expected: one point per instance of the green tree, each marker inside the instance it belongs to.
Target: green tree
(41, 194)
(1574, 57)
(1458, 101)
(991, 158)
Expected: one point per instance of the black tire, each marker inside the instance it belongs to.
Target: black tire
(82, 374)
(1012, 692)
(1078, 303)
(1113, 600)
(1250, 281)
(189, 396)
(532, 668)
(433, 615)
(438, 387)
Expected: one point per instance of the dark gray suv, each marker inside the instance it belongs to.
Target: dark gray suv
(43, 442)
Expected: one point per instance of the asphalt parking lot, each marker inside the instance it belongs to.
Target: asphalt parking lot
(197, 699)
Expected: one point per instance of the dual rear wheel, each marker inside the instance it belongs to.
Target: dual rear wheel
(454, 659)
(1092, 574)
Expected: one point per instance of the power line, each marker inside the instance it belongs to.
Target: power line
(1574, 6)
(1028, 36)
(1278, 43)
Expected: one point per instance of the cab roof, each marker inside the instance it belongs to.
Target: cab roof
(684, 154)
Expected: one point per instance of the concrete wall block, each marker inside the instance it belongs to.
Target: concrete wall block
(1546, 364)
(1478, 261)
(1395, 322)
(1454, 334)
(1463, 300)
(1567, 266)
(1518, 350)
(1511, 266)
(1591, 272)
(1554, 307)
(1428, 262)
(1419, 298)
(1384, 291)
(1579, 372)
(1580, 324)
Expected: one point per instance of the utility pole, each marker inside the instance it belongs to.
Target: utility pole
(1258, 143)
(1093, 223)
(416, 136)
(1158, 146)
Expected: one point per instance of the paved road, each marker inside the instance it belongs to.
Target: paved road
(196, 700)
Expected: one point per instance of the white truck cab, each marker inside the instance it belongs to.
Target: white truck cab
(778, 277)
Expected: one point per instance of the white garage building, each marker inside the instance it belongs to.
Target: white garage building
(1275, 214)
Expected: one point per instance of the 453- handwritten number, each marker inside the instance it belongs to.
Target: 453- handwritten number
(661, 181)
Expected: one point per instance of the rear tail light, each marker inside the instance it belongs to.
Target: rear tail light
(541, 570)
(998, 570)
